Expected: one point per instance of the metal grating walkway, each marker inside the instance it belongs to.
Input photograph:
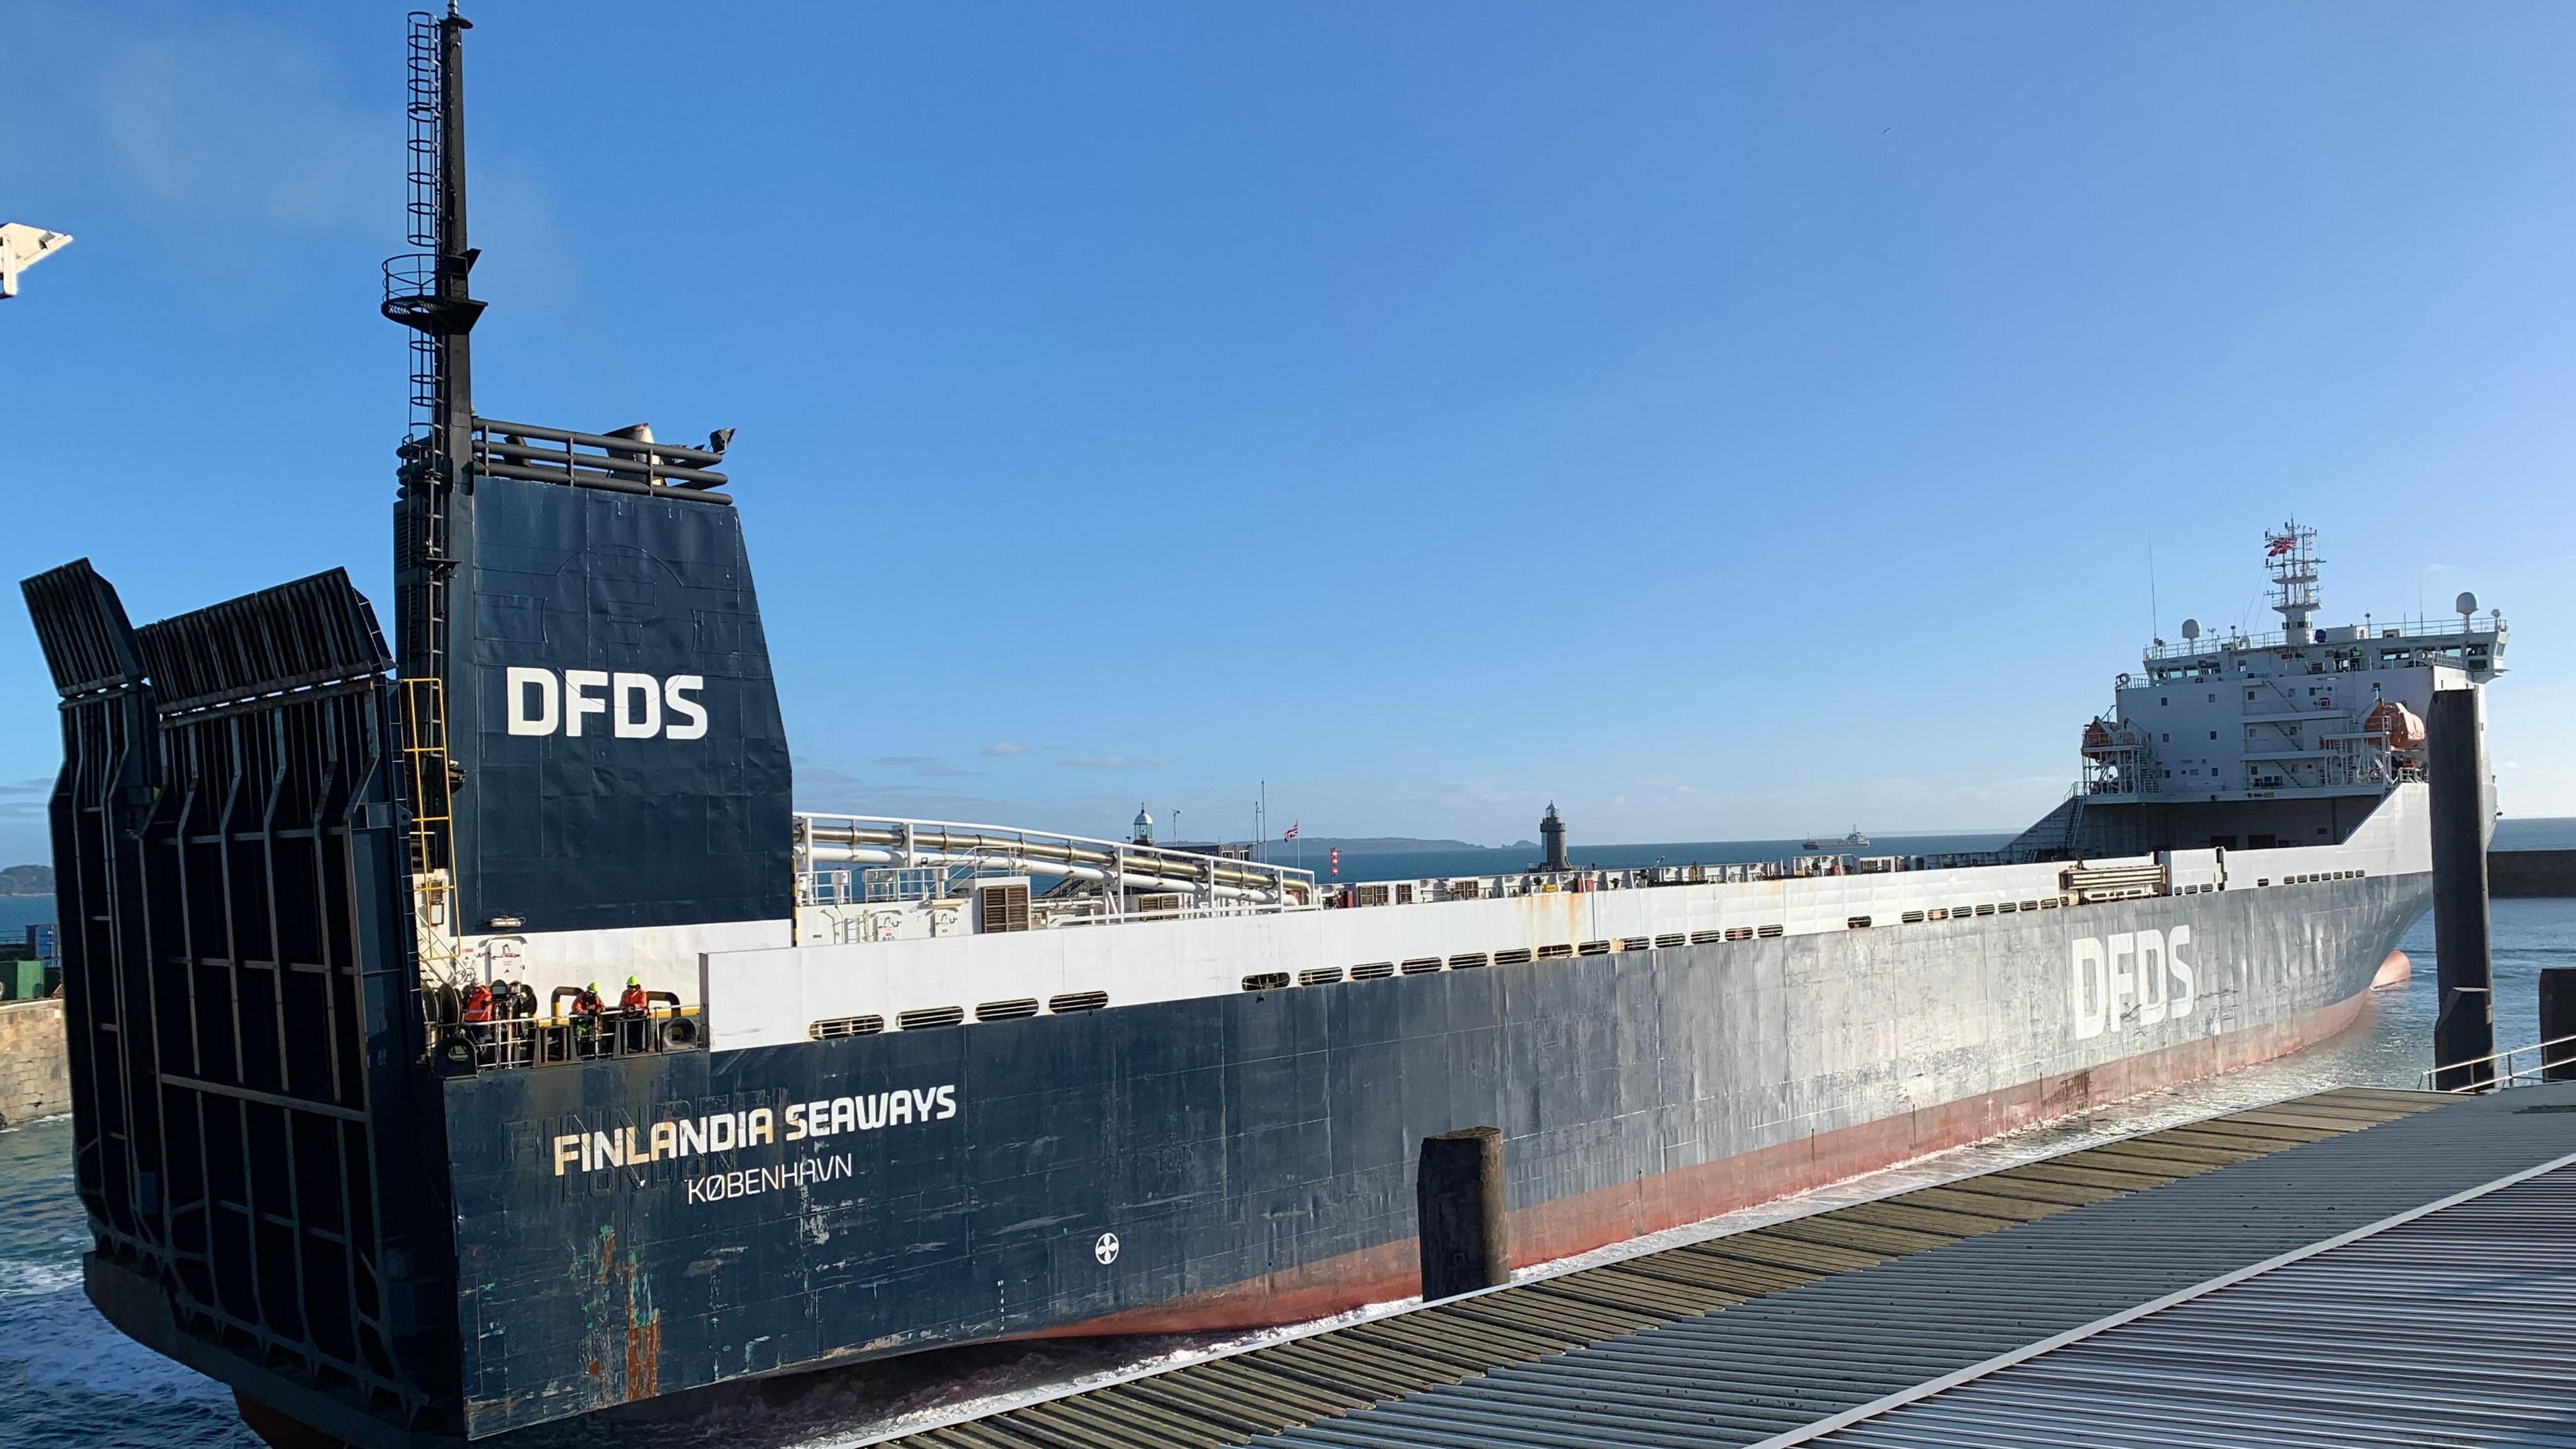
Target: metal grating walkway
(1499, 1366)
(2456, 1327)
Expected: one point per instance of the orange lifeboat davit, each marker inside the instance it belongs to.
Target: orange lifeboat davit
(2405, 732)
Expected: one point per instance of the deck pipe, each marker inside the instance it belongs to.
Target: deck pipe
(2557, 1020)
(1458, 1194)
(2456, 771)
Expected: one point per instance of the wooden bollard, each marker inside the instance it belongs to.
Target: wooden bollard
(2558, 1019)
(1458, 1196)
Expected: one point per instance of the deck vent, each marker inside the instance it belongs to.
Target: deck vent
(1373, 895)
(930, 1016)
(1159, 903)
(1707, 938)
(1558, 952)
(1937, 913)
(1512, 958)
(1739, 933)
(2030, 905)
(1985, 910)
(1635, 943)
(1073, 1001)
(1675, 939)
(2050, 903)
(841, 1026)
(1595, 948)
(1404, 894)
(1766, 932)
(1373, 971)
(1319, 976)
(2007, 907)
(1002, 908)
(1421, 965)
(1467, 962)
(1910, 918)
(1857, 923)
(1265, 981)
(1011, 1010)
(1466, 890)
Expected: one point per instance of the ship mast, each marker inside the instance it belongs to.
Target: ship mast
(2291, 555)
(427, 290)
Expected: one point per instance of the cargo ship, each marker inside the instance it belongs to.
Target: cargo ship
(883, 1085)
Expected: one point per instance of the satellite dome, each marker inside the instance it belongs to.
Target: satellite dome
(2466, 603)
(2191, 628)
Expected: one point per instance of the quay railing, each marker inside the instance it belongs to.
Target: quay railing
(2506, 1074)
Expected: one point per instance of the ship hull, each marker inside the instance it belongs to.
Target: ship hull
(1248, 1159)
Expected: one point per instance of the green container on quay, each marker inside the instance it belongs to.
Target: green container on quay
(22, 980)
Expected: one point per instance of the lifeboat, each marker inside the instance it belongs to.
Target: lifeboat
(2097, 740)
(2405, 732)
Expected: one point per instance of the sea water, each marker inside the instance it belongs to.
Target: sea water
(68, 1380)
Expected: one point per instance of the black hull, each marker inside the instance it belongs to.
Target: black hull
(1253, 1153)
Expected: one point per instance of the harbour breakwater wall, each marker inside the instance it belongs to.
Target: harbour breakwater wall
(2531, 872)
(35, 1076)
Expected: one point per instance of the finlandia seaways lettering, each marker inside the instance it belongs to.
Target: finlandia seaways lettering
(686, 1137)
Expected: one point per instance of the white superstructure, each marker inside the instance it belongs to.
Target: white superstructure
(2303, 712)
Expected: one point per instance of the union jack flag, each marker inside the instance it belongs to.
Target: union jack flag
(2281, 543)
(1292, 831)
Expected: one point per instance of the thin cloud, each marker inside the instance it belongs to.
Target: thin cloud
(928, 767)
(1108, 762)
(1003, 749)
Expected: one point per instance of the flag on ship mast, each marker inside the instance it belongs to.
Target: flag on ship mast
(1291, 832)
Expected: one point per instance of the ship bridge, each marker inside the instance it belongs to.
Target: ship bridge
(2287, 737)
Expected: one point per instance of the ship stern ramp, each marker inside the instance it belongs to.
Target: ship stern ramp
(260, 1163)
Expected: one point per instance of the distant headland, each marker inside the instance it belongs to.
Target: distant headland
(26, 880)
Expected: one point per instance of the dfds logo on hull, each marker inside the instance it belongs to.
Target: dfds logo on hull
(2135, 977)
(630, 706)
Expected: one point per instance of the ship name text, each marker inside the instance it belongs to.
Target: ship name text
(664, 1141)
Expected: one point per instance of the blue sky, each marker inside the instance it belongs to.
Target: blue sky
(1723, 420)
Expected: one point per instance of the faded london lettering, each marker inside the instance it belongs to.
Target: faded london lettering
(677, 1138)
(2130, 978)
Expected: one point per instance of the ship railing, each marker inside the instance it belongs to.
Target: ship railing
(534, 454)
(2454, 626)
(541, 1041)
(1426, 889)
(2558, 1053)
(1000, 850)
